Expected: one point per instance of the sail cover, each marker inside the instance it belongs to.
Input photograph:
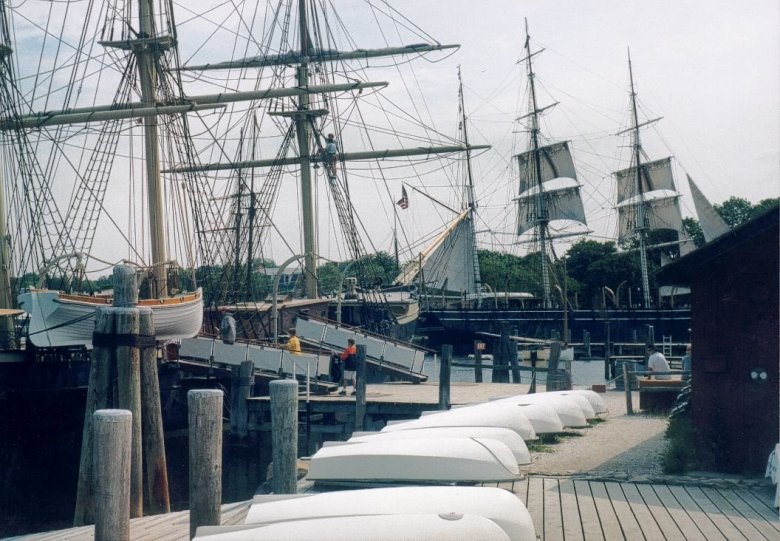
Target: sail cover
(448, 263)
(656, 175)
(555, 162)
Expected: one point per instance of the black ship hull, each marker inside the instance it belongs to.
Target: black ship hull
(460, 327)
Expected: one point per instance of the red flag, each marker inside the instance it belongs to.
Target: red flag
(404, 201)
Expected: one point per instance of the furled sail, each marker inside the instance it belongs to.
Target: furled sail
(447, 262)
(561, 199)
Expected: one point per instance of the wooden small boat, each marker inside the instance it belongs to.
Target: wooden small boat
(500, 506)
(508, 437)
(434, 460)
(58, 319)
(470, 416)
(420, 527)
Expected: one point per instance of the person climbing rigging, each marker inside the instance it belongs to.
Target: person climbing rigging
(331, 154)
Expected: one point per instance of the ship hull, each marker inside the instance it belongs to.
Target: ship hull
(462, 326)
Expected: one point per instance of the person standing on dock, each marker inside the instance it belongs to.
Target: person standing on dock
(227, 328)
(293, 343)
(686, 364)
(656, 362)
(348, 359)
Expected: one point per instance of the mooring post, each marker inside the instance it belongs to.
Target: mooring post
(586, 341)
(444, 377)
(360, 391)
(111, 467)
(607, 352)
(128, 363)
(477, 361)
(246, 379)
(98, 396)
(627, 386)
(554, 382)
(157, 492)
(284, 435)
(205, 440)
(511, 350)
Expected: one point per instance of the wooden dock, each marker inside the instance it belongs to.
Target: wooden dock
(566, 509)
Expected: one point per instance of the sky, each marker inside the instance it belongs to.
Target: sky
(709, 68)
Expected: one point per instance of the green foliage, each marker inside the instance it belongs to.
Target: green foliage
(506, 272)
(735, 211)
(693, 230)
(764, 205)
(372, 270)
(594, 265)
(680, 455)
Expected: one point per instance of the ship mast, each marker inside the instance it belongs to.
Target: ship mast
(541, 207)
(641, 229)
(470, 200)
(147, 71)
(303, 130)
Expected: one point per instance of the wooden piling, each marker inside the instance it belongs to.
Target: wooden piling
(553, 375)
(627, 386)
(111, 468)
(205, 440)
(128, 362)
(607, 350)
(245, 384)
(477, 361)
(157, 492)
(360, 390)
(500, 355)
(512, 352)
(444, 377)
(284, 435)
(98, 396)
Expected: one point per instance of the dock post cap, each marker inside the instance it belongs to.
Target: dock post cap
(112, 415)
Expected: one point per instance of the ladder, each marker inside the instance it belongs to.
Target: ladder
(666, 345)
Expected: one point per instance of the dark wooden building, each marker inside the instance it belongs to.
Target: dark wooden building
(734, 305)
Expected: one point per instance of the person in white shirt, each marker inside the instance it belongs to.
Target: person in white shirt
(656, 362)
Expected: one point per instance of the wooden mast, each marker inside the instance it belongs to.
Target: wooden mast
(147, 71)
(541, 208)
(303, 131)
(470, 199)
(640, 211)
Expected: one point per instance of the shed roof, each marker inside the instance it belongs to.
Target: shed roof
(680, 272)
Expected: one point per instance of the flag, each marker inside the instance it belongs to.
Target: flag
(404, 201)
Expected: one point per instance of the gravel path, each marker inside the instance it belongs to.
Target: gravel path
(623, 444)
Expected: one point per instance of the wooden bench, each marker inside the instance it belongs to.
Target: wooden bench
(659, 394)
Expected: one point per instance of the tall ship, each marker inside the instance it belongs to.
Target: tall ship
(226, 166)
(549, 207)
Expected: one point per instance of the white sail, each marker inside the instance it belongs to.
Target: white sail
(655, 175)
(712, 225)
(562, 201)
(555, 161)
(661, 211)
(447, 262)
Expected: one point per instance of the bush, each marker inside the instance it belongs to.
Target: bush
(681, 453)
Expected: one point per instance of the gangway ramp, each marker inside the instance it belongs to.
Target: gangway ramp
(386, 359)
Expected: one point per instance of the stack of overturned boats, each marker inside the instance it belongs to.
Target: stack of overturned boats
(407, 479)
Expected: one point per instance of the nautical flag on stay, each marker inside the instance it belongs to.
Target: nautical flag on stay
(404, 201)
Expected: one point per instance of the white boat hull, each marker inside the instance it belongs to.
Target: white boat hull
(420, 527)
(471, 416)
(440, 460)
(59, 320)
(500, 506)
(510, 438)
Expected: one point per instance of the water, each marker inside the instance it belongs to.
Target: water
(584, 373)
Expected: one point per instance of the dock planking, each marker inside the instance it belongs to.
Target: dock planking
(563, 508)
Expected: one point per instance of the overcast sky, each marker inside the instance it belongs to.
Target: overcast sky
(710, 68)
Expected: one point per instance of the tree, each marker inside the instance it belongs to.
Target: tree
(764, 205)
(693, 230)
(735, 211)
